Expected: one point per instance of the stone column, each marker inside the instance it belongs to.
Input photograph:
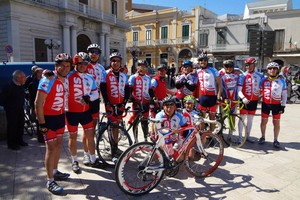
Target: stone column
(73, 40)
(107, 48)
(66, 39)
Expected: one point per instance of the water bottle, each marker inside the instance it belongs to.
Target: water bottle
(169, 147)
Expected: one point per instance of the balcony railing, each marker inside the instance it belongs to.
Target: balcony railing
(82, 9)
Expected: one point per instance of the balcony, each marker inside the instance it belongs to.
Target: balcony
(80, 9)
(229, 47)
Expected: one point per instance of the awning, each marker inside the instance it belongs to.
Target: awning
(287, 55)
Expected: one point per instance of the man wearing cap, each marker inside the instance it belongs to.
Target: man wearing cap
(274, 97)
(248, 92)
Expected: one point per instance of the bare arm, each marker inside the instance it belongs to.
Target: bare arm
(220, 86)
(39, 106)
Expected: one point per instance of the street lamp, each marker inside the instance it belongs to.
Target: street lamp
(52, 44)
(134, 52)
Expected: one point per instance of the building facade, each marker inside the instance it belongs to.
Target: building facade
(171, 35)
(36, 30)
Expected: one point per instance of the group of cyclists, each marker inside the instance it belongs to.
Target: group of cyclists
(72, 97)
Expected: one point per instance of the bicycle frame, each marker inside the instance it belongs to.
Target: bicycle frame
(227, 109)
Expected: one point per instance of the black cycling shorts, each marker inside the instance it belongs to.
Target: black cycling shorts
(75, 118)
(207, 101)
(55, 122)
(95, 106)
(267, 108)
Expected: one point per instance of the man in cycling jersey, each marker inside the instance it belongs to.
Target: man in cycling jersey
(172, 120)
(81, 90)
(189, 111)
(186, 82)
(274, 97)
(248, 92)
(50, 111)
(160, 89)
(115, 92)
(210, 87)
(98, 73)
(141, 95)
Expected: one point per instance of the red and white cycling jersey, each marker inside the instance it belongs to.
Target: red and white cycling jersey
(159, 86)
(55, 100)
(207, 81)
(79, 85)
(189, 116)
(230, 84)
(98, 72)
(250, 85)
(272, 90)
(184, 91)
(140, 86)
(115, 88)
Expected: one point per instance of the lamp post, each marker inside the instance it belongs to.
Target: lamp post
(52, 44)
(134, 52)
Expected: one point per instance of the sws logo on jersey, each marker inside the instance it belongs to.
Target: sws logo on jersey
(248, 86)
(58, 103)
(113, 87)
(78, 93)
(138, 89)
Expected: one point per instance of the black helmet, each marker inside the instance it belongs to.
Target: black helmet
(63, 57)
(142, 62)
(202, 56)
(115, 55)
(187, 63)
(161, 66)
(93, 46)
(169, 100)
(228, 63)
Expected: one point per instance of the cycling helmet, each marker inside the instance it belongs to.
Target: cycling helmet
(202, 56)
(250, 60)
(273, 65)
(169, 100)
(84, 56)
(188, 63)
(161, 66)
(189, 99)
(93, 46)
(142, 62)
(228, 63)
(63, 57)
(115, 55)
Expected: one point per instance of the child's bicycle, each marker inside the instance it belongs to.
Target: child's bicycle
(234, 130)
(142, 166)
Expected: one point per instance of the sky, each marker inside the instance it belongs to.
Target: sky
(219, 7)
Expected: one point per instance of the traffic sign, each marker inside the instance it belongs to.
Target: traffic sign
(8, 48)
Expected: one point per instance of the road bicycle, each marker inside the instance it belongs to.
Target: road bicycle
(233, 134)
(142, 166)
(29, 125)
(105, 142)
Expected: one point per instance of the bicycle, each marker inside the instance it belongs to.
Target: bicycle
(231, 133)
(142, 166)
(29, 125)
(104, 140)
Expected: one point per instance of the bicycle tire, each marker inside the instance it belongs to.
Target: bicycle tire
(28, 126)
(197, 163)
(129, 174)
(103, 146)
(231, 136)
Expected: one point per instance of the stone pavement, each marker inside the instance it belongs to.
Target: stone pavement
(253, 172)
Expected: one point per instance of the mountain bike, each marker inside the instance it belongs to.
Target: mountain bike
(233, 135)
(142, 166)
(105, 142)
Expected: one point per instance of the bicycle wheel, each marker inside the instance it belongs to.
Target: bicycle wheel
(231, 134)
(28, 126)
(202, 164)
(104, 145)
(130, 173)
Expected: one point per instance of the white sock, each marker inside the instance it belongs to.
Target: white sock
(93, 158)
(249, 123)
(49, 181)
(74, 158)
(240, 124)
(86, 153)
(54, 171)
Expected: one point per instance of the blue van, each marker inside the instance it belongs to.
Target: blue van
(7, 68)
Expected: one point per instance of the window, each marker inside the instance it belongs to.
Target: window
(203, 39)
(86, 2)
(251, 27)
(40, 50)
(135, 38)
(148, 37)
(164, 35)
(114, 7)
(279, 40)
(185, 33)
(221, 37)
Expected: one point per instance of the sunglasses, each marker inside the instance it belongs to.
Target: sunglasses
(95, 51)
(228, 66)
(272, 68)
(186, 66)
(202, 60)
(169, 104)
(115, 60)
(83, 63)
